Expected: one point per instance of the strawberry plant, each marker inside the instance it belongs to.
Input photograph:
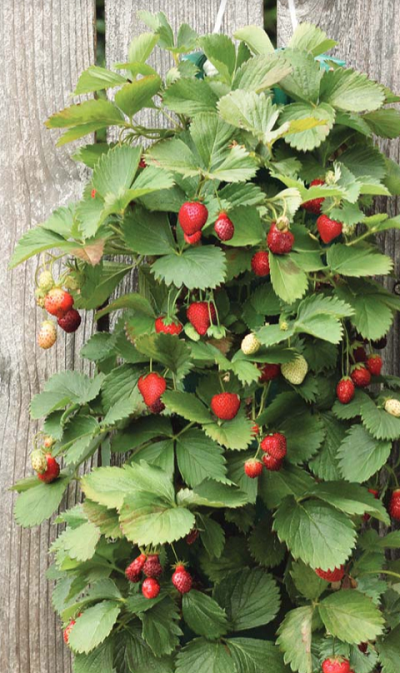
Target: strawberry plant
(245, 527)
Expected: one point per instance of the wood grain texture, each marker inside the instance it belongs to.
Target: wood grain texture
(44, 45)
(368, 36)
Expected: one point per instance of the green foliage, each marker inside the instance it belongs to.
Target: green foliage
(246, 139)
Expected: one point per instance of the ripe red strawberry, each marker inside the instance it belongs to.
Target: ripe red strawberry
(275, 445)
(68, 629)
(225, 405)
(359, 354)
(181, 579)
(172, 328)
(269, 372)
(336, 665)
(380, 343)
(151, 387)
(361, 377)
(133, 570)
(52, 471)
(253, 468)
(142, 163)
(150, 588)
(314, 205)
(57, 302)
(363, 647)
(260, 263)
(157, 407)
(280, 241)
(271, 463)
(93, 193)
(345, 390)
(192, 217)
(375, 493)
(224, 227)
(152, 566)
(335, 575)
(70, 321)
(47, 336)
(328, 229)
(200, 314)
(192, 536)
(374, 365)
(255, 430)
(192, 240)
(394, 505)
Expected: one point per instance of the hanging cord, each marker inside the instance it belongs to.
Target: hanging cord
(220, 16)
(293, 16)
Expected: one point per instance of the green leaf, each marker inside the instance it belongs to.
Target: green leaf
(93, 626)
(40, 502)
(190, 96)
(81, 542)
(361, 455)
(116, 170)
(250, 598)
(319, 316)
(211, 136)
(313, 137)
(261, 72)
(173, 154)
(384, 123)
(372, 315)
(264, 545)
(304, 434)
(325, 465)
(202, 656)
(358, 260)
(315, 532)
(253, 656)
(160, 627)
(141, 47)
(295, 638)
(235, 434)
(200, 268)
(250, 111)
(351, 499)
(212, 536)
(35, 241)
(84, 118)
(351, 616)
(105, 519)
(134, 654)
(221, 52)
(288, 280)
(212, 494)
(256, 39)
(101, 659)
(303, 83)
(238, 166)
(137, 95)
(307, 581)
(166, 348)
(203, 615)
(147, 518)
(389, 651)
(198, 458)
(186, 405)
(310, 38)
(351, 91)
(96, 78)
(378, 422)
(364, 160)
(289, 480)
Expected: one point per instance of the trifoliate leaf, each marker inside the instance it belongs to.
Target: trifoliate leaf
(351, 616)
(212, 493)
(141, 47)
(221, 52)
(372, 315)
(96, 78)
(148, 519)
(361, 455)
(364, 161)
(351, 499)
(199, 268)
(81, 542)
(203, 615)
(289, 480)
(325, 464)
(351, 91)
(173, 154)
(148, 233)
(250, 111)
(315, 532)
(261, 72)
(105, 519)
(136, 95)
(303, 83)
(211, 136)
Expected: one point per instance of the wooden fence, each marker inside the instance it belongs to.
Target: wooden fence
(44, 45)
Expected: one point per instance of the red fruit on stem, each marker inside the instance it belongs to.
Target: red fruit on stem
(151, 387)
(142, 163)
(255, 430)
(253, 468)
(150, 588)
(57, 302)
(172, 328)
(374, 365)
(314, 205)
(224, 227)
(345, 390)
(68, 629)
(269, 372)
(335, 575)
(328, 229)
(394, 505)
(225, 405)
(275, 445)
(133, 571)
(93, 193)
(280, 242)
(182, 580)
(192, 536)
(361, 377)
(70, 321)
(152, 566)
(271, 463)
(52, 471)
(336, 665)
(157, 407)
(192, 240)
(359, 354)
(201, 314)
(47, 336)
(260, 263)
(192, 217)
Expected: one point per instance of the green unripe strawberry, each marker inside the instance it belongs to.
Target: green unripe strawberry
(46, 281)
(295, 371)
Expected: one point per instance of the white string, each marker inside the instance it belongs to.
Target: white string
(220, 16)
(293, 16)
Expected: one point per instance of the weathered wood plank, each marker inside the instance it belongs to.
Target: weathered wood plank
(369, 41)
(43, 47)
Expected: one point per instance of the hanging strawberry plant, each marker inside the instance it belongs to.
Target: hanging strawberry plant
(241, 383)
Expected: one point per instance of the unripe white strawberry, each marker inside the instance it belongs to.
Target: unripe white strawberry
(46, 281)
(38, 461)
(250, 344)
(392, 407)
(295, 371)
(349, 229)
(47, 335)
